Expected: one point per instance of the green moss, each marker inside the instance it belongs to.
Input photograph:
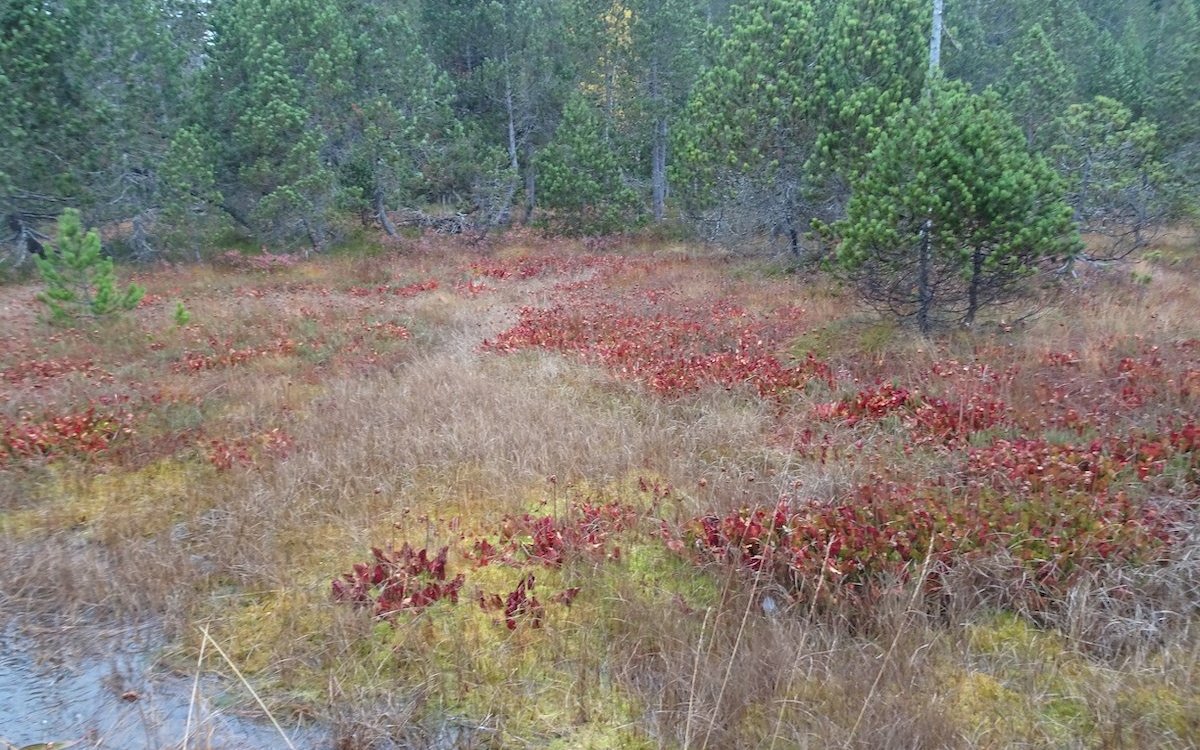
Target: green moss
(653, 568)
(875, 339)
(601, 736)
(175, 417)
(1167, 711)
(846, 338)
(1050, 695)
(1008, 634)
(989, 709)
(146, 501)
(360, 243)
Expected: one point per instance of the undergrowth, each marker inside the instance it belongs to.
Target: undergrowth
(536, 495)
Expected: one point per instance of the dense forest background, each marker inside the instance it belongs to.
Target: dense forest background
(180, 120)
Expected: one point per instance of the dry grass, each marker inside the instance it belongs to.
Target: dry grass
(431, 441)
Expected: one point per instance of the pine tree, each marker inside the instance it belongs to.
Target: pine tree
(189, 190)
(132, 65)
(45, 158)
(80, 281)
(665, 38)
(873, 58)
(795, 98)
(749, 129)
(953, 213)
(1175, 89)
(280, 97)
(1075, 37)
(581, 176)
(93, 92)
(1115, 179)
(514, 64)
(1038, 86)
(400, 120)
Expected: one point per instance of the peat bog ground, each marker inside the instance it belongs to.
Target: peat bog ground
(555, 495)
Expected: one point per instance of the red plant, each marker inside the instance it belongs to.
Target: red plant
(86, 432)
(412, 290)
(263, 262)
(885, 532)
(586, 529)
(673, 353)
(403, 579)
(225, 455)
(533, 266)
(471, 288)
(49, 369)
(948, 421)
(1036, 466)
(247, 451)
(931, 418)
(387, 329)
(870, 403)
(522, 606)
(230, 356)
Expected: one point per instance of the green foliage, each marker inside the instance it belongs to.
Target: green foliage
(514, 64)
(1038, 85)
(581, 176)
(953, 212)
(189, 190)
(1116, 182)
(80, 281)
(873, 58)
(750, 105)
(181, 317)
(400, 124)
(93, 91)
(1174, 100)
(278, 73)
(324, 105)
(796, 96)
(182, 118)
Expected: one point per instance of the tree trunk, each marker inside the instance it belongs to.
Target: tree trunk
(925, 253)
(530, 182)
(313, 237)
(514, 163)
(381, 213)
(658, 168)
(973, 289)
(142, 250)
(924, 282)
(935, 37)
(658, 142)
(238, 217)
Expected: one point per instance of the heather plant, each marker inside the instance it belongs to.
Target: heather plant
(80, 281)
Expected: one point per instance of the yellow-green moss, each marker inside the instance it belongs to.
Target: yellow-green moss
(146, 501)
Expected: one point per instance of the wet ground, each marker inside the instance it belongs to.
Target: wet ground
(85, 689)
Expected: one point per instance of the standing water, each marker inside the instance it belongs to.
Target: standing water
(84, 690)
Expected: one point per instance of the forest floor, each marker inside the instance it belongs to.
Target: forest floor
(550, 495)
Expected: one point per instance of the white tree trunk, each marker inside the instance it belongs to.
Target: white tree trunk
(935, 37)
(659, 168)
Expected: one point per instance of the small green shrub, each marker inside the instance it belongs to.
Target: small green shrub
(80, 282)
(182, 316)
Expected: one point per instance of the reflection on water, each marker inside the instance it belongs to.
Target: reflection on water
(101, 691)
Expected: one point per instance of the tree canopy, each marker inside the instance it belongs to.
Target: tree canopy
(953, 210)
(283, 119)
